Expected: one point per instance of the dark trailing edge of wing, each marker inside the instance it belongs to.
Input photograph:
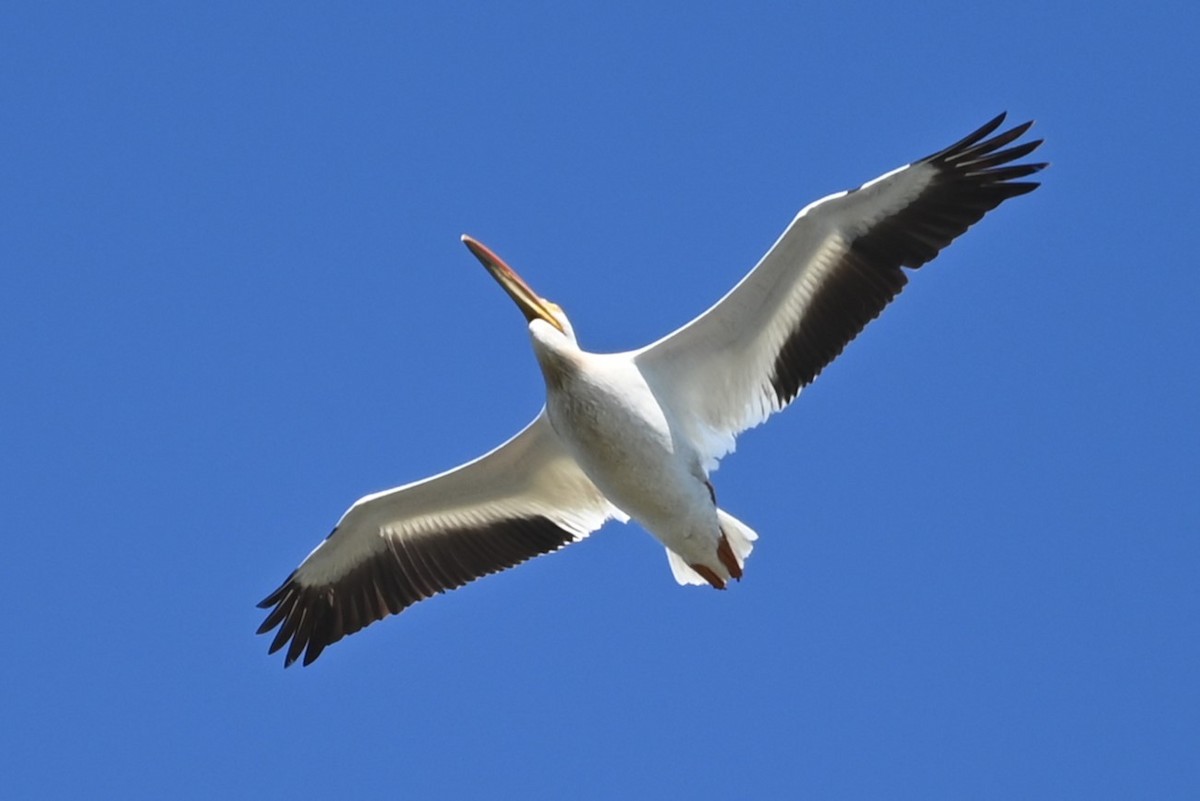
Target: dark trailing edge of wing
(971, 180)
(408, 570)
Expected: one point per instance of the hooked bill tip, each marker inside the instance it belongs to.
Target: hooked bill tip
(484, 253)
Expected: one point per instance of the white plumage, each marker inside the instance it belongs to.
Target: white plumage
(635, 435)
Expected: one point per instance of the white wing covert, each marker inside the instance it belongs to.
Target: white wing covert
(832, 271)
(391, 549)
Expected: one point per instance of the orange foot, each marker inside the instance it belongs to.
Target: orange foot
(708, 575)
(725, 554)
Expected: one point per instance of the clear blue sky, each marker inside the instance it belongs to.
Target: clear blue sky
(233, 300)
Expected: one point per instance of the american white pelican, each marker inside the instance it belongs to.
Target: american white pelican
(635, 435)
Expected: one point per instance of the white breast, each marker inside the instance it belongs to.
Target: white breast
(618, 433)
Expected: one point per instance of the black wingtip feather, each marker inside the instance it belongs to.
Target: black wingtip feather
(273, 598)
(972, 176)
(409, 570)
(1002, 156)
(972, 137)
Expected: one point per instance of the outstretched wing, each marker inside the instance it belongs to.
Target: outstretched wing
(392, 549)
(832, 271)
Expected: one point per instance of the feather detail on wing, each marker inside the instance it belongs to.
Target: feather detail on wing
(392, 549)
(832, 271)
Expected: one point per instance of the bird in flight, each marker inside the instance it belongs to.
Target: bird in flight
(636, 435)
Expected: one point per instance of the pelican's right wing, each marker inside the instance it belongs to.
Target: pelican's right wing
(830, 273)
(392, 549)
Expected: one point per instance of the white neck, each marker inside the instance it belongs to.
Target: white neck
(556, 352)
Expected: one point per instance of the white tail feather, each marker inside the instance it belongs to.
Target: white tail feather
(741, 540)
(682, 572)
(741, 537)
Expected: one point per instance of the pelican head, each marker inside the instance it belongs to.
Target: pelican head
(531, 304)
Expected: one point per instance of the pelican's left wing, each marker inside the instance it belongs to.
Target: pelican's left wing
(392, 549)
(832, 271)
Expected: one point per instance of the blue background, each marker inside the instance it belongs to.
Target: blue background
(233, 299)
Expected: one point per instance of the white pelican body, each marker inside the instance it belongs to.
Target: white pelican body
(632, 447)
(635, 435)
